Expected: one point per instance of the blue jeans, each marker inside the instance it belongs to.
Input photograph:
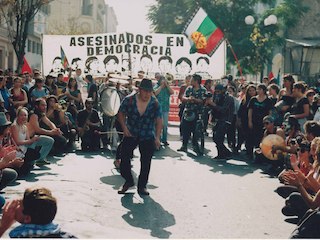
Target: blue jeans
(46, 143)
(165, 120)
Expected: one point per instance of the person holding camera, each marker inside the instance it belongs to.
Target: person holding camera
(193, 100)
(163, 91)
(222, 106)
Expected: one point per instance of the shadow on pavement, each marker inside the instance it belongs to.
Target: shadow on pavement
(166, 152)
(147, 215)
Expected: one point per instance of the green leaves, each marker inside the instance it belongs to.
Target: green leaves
(170, 16)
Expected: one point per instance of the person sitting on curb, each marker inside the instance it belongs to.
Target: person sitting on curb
(35, 212)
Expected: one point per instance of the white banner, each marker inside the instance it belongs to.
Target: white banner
(98, 54)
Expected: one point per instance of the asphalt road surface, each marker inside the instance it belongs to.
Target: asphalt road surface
(190, 197)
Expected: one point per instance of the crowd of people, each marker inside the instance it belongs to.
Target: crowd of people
(245, 114)
(41, 116)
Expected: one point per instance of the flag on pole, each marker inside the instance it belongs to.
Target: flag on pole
(64, 59)
(278, 78)
(204, 36)
(26, 67)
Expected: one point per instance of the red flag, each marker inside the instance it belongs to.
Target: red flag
(270, 76)
(26, 67)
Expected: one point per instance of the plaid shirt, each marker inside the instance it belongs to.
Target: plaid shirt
(141, 127)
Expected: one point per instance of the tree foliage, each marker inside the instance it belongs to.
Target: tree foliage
(18, 14)
(252, 44)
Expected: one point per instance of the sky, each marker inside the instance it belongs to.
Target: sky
(131, 15)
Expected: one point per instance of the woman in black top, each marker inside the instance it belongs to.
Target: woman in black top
(243, 116)
(259, 107)
(92, 90)
(301, 108)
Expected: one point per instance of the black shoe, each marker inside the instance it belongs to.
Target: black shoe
(288, 211)
(182, 149)
(125, 188)
(220, 157)
(165, 143)
(143, 191)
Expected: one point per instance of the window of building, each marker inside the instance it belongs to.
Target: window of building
(34, 47)
(87, 7)
(29, 45)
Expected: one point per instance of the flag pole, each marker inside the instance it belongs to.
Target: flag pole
(235, 57)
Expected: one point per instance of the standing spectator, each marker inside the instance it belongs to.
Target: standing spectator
(92, 90)
(259, 107)
(182, 90)
(223, 110)
(140, 119)
(231, 133)
(193, 98)
(162, 90)
(301, 108)
(310, 96)
(243, 128)
(273, 92)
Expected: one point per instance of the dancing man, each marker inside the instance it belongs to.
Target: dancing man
(140, 119)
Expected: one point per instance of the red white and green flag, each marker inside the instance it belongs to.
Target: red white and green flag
(64, 59)
(204, 36)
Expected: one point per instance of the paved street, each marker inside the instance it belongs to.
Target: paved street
(190, 197)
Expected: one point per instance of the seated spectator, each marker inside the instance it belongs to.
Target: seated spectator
(58, 117)
(61, 84)
(21, 136)
(38, 91)
(8, 154)
(41, 125)
(35, 212)
(18, 96)
(49, 83)
(88, 127)
(4, 92)
(73, 94)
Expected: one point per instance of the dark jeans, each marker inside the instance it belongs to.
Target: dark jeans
(146, 149)
(59, 144)
(221, 129)
(231, 134)
(188, 128)
(308, 227)
(297, 204)
(8, 176)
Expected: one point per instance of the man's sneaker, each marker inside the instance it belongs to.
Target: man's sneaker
(182, 149)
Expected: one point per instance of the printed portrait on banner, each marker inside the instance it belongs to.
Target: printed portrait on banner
(99, 54)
